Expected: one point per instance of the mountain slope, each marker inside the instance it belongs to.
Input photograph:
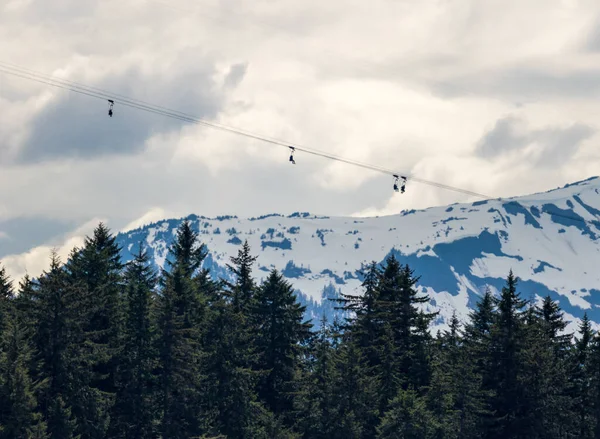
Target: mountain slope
(551, 241)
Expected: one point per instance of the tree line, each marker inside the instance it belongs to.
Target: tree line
(95, 348)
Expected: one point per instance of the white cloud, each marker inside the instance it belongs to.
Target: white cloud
(414, 87)
(36, 260)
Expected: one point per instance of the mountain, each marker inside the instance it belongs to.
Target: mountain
(551, 241)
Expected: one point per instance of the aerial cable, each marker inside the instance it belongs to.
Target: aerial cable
(91, 91)
(113, 98)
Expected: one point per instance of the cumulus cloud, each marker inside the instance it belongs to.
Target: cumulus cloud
(549, 147)
(420, 88)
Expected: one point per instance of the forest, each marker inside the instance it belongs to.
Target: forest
(96, 348)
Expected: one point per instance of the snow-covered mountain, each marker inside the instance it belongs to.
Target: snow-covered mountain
(551, 241)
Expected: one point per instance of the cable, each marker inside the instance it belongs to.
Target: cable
(99, 93)
(103, 94)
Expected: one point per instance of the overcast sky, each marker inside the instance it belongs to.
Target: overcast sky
(500, 97)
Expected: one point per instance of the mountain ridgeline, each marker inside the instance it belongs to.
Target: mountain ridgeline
(549, 240)
(98, 347)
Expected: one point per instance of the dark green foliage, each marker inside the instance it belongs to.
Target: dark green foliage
(241, 292)
(94, 349)
(408, 418)
(58, 337)
(95, 271)
(6, 295)
(582, 374)
(19, 417)
(280, 331)
(180, 309)
(135, 408)
(507, 344)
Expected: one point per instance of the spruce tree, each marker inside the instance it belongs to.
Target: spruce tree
(135, 408)
(506, 347)
(58, 340)
(95, 271)
(546, 402)
(19, 417)
(230, 394)
(581, 377)
(316, 405)
(401, 307)
(6, 296)
(180, 313)
(241, 291)
(281, 330)
(354, 394)
(408, 418)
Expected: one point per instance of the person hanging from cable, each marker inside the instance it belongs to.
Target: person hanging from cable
(292, 155)
(402, 188)
(111, 103)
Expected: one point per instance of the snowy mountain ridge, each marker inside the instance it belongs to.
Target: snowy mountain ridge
(550, 240)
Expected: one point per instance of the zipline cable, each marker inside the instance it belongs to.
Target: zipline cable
(99, 93)
(104, 94)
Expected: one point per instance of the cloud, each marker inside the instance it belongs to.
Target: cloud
(508, 134)
(78, 128)
(421, 88)
(36, 260)
(149, 217)
(550, 146)
(236, 75)
(524, 83)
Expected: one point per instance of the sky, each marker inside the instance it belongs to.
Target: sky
(496, 97)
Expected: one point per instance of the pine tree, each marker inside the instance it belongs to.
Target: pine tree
(24, 302)
(241, 291)
(135, 407)
(581, 377)
(58, 337)
(19, 417)
(408, 418)
(6, 296)
(354, 393)
(231, 381)
(594, 362)
(278, 319)
(506, 348)
(363, 323)
(401, 305)
(96, 272)
(180, 313)
(544, 380)
(316, 405)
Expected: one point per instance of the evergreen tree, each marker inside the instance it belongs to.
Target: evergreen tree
(546, 403)
(180, 312)
(278, 319)
(96, 272)
(58, 337)
(230, 379)
(135, 408)
(363, 322)
(594, 362)
(506, 349)
(24, 302)
(6, 296)
(581, 377)
(408, 418)
(401, 308)
(19, 417)
(241, 291)
(354, 393)
(316, 404)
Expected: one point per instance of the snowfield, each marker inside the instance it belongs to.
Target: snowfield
(551, 241)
